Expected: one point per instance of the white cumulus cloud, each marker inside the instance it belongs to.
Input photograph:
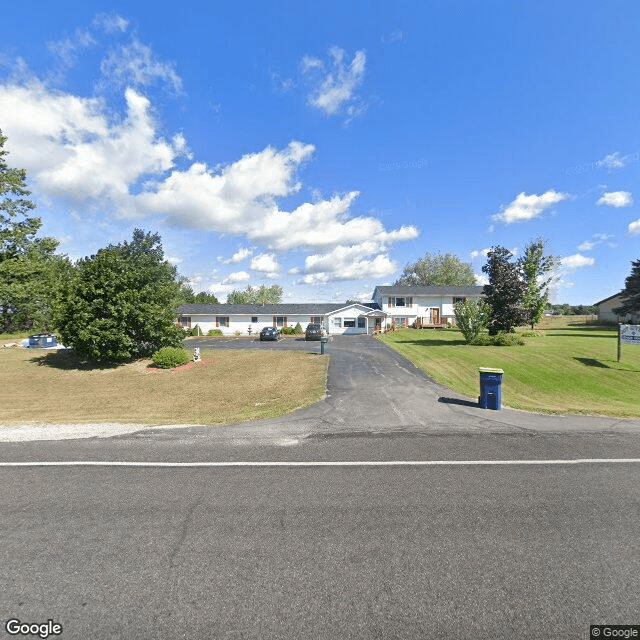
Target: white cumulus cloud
(266, 263)
(72, 149)
(241, 254)
(616, 199)
(527, 207)
(634, 227)
(236, 276)
(613, 161)
(481, 253)
(355, 262)
(576, 261)
(335, 89)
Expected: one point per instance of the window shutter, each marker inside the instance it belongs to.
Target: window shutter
(274, 321)
(409, 302)
(217, 321)
(285, 321)
(391, 302)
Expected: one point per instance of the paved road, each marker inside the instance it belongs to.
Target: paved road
(464, 551)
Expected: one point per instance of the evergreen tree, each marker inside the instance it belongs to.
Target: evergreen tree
(631, 293)
(118, 304)
(505, 291)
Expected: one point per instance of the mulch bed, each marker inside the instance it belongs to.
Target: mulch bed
(184, 367)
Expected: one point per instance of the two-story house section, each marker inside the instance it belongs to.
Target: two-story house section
(426, 306)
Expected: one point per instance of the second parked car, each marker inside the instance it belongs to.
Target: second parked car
(314, 331)
(270, 333)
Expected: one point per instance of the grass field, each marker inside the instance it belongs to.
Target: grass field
(570, 368)
(54, 387)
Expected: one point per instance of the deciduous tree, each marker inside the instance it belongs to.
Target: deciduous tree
(117, 305)
(535, 268)
(257, 295)
(437, 269)
(29, 268)
(472, 316)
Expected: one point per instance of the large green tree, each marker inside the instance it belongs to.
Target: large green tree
(631, 293)
(437, 269)
(257, 295)
(505, 291)
(117, 305)
(535, 269)
(29, 268)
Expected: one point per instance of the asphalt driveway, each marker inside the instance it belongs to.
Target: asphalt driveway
(372, 388)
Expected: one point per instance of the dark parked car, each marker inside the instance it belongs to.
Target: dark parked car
(314, 331)
(270, 333)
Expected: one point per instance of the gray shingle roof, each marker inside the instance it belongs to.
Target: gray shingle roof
(434, 290)
(302, 308)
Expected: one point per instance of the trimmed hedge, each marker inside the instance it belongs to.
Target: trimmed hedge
(170, 357)
(214, 332)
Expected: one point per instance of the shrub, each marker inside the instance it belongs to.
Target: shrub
(472, 317)
(288, 331)
(298, 329)
(170, 357)
(533, 334)
(501, 339)
(214, 332)
(196, 331)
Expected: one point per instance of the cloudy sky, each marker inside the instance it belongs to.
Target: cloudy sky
(325, 145)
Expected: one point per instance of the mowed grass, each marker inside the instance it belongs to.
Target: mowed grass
(568, 369)
(55, 387)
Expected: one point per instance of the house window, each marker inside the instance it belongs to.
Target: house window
(279, 321)
(456, 300)
(222, 321)
(400, 302)
(362, 322)
(254, 319)
(337, 322)
(315, 320)
(185, 322)
(349, 323)
(401, 321)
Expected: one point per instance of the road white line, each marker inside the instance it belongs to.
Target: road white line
(319, 463)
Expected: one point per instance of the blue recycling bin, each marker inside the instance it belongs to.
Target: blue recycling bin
(490, 388)
(43, 340)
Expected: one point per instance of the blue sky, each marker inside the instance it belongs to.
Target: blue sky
(323, 146)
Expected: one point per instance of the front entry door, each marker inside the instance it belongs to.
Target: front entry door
(435, 315)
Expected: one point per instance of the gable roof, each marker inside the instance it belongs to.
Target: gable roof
(615, 295)
(303, 308)
(433, 290)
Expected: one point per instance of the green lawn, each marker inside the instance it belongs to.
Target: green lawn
(570, 369)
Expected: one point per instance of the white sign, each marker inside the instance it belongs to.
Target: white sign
(630, 333)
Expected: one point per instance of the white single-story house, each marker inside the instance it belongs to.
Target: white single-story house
(248, 319)
(426, 306)
(606, 314)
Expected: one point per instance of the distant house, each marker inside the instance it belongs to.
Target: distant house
(606, 314)
(337, 318)
(425, 306)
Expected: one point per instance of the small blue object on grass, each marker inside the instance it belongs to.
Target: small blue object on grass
(490, 388)
(43, 340)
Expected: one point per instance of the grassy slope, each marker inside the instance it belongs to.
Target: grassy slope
(571, 369)
(239, 385)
